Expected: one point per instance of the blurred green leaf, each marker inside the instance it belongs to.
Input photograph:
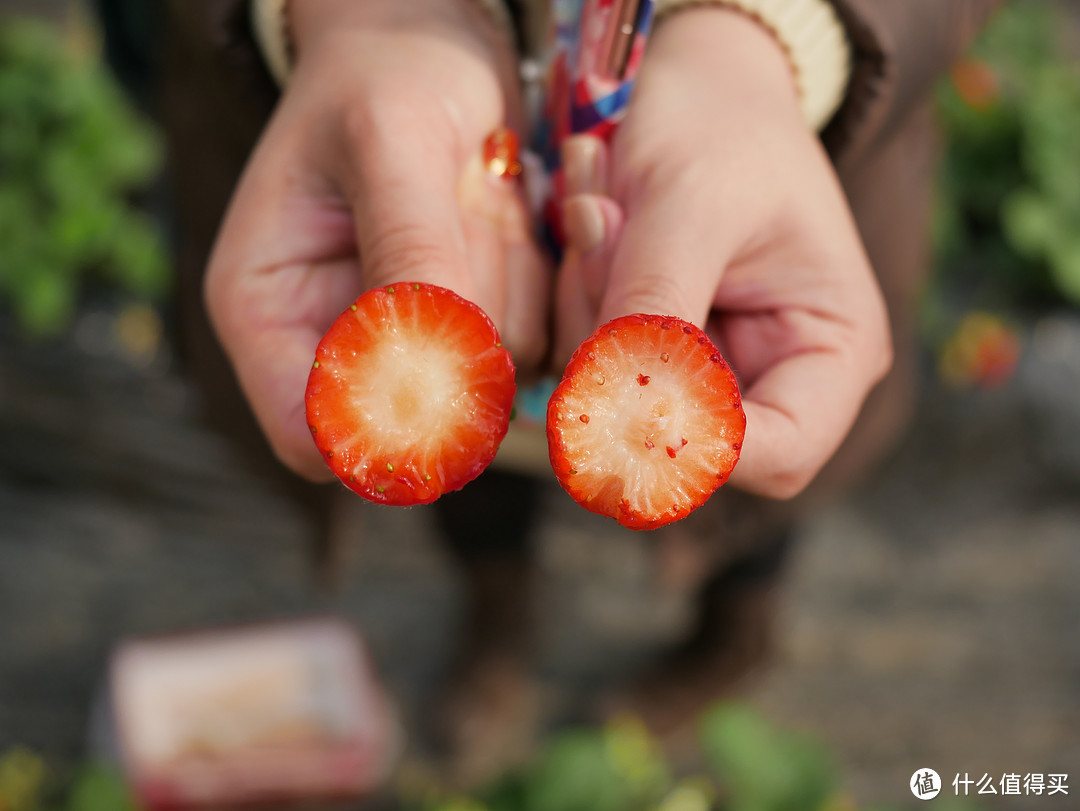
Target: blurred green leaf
(97, 788)
(1009, 185)
(617, 768)
(72, 152)
(1065, 265)
(693, 794)
(575, 774)
(137, 262)
(45, 304)
(1030, 221)
(761, 769)
(22, 780)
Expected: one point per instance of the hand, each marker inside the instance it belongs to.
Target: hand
(370, 172)
(717, 204)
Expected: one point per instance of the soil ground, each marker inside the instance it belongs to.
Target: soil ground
(930, 618)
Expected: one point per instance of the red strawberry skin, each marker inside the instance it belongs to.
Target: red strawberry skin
(647, 422)
(410, 394)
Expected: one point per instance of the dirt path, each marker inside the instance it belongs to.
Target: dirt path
(932, 617)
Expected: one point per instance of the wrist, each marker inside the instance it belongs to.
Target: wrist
(813, 39)
(310, 21)
(738, 65)
(284, 27)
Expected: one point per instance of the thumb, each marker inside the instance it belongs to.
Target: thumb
(402, 187)
(669, 260)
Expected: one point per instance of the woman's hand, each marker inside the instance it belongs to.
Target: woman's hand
(370, 172)
(717, 204)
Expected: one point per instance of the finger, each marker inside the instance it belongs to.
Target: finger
(592, 225)
(280, 271)
(402, 182)
(528, 292)
(585, 162)
(796, 416)
(670, 259)
(500, 245)
(799, 410)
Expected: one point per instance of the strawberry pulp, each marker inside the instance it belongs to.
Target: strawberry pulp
(647, 422)
(410, 394)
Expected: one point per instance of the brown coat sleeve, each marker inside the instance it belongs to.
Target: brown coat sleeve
(900, 48)
(213, 46)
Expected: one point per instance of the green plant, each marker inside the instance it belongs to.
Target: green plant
(72, 151)
(762, 768)
(750, 767)
(22, 778)
(24, 786)
(1008, 219)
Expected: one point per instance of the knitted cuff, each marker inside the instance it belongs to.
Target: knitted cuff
(270, 23)
(814, 39)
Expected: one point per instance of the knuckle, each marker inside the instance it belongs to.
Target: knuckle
(392, 119)
(291, 444)
(359, 124)
(785, 485)
(886, 354)
(877, 344)
(301, 460)
(375, 115)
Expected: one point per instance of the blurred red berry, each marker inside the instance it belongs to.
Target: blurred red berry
(984, 352)
(976, 83)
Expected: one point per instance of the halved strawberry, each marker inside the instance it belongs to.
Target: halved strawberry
(410, 394)
(647, 421)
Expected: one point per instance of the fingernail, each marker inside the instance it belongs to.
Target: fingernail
(581, 157)
(583, 222)
(501, 153)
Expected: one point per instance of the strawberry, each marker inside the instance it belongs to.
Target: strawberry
(410, 394)
(647, 421)
(984, 351)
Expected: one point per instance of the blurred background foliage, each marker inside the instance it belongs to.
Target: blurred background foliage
(1007, 220)
(748, 765)
(26, 784)
(1008, 223)
(73, 153)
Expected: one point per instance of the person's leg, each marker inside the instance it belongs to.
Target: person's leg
(489, 710)
(729, 558)
(487, 527)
